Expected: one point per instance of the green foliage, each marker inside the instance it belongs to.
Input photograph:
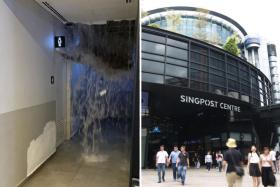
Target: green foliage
(154, 25)
(231, 45)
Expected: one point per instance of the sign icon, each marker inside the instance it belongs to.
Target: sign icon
(59, 41)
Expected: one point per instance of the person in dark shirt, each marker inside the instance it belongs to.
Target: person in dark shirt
(182, 163)
(232, 158)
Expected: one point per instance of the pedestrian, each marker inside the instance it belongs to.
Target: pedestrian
(277, 162)
(208, 160)
(196, 161)
(267, 168)
(161, 161)
(273, 157)
(183, 163)
(173, 160)
(233, 163)
(254, 166)
(220, 157)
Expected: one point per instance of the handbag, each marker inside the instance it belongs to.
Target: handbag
(238, 169)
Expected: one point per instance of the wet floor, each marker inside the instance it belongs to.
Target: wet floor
(67, 169)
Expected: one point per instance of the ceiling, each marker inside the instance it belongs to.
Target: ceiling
(94, 11)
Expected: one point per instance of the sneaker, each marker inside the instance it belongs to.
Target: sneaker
(159, 182)
(183, 183)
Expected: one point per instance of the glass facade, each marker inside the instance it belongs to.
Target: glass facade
(169, 58)
(188, 25)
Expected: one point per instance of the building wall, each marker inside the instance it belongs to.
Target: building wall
(27, 97)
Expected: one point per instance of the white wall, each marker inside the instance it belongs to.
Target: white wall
(28, 101)
(26, 56)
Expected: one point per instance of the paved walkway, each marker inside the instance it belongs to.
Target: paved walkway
(195, 178)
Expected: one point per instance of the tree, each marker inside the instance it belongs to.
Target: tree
(154, 25)
(201, 24)
(231, 45)
(173, 20)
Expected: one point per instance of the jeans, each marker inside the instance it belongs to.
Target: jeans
(161, 168)
(220, 166)
(174, 168)
(208, 165)
(182, 170)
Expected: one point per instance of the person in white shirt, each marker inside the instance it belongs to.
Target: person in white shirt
(208, 160)
(219, 158)
(161, 161)
(254, 166)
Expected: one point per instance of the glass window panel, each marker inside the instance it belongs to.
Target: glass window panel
(198, 48)
(153, 47)
(217, 80)
(232, 69)
(153, 57)
(198, 58)
(245, 89)
(152, 66)
(217, 90)
(235, 135)
(176, 71)
(176, 61)
(217, 55)
(152, 37)
(217, 72)
(217, 63)
(177, 53)
(176, 81)
(177, 43)
(153, 78)
(233, 84)
(231, 61)
(233, 77)
(199, 75)
(244, 74)
(199, 67)
(199, 86)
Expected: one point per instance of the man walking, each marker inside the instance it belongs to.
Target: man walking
(173, 160)
(182, 163)
(208, 160)
(161, 160)
(233, 161)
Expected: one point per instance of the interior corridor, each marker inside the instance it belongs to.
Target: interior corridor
(66, 168)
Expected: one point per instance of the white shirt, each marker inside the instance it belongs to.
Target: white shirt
(208, 158)
(265, 160)
(273, 155)
(253, 158)
(161, 157)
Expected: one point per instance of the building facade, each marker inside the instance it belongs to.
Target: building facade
(196, 93)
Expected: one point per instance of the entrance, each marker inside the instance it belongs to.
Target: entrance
(201, 130)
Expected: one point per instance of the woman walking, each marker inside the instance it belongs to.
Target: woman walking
(254, 166)
(208, 160)
(267, 168)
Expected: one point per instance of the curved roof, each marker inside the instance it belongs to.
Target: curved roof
(197, 10)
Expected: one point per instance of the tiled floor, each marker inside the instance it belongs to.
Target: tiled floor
(195, 178)
(67, 169)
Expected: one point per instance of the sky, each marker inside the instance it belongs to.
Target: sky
(257, 17)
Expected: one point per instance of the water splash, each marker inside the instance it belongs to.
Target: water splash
(102, 88)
